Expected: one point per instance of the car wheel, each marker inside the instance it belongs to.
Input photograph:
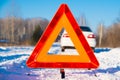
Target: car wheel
(62, 49)
(93, 48)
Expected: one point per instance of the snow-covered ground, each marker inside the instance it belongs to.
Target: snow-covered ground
(13, 65)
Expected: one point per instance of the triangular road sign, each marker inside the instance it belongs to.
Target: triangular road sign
(62, 19)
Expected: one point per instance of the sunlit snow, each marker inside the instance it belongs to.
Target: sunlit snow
(13, 65)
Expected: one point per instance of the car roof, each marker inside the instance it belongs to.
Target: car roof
(85, 28)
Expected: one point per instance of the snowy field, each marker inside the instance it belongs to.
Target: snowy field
(13, 65)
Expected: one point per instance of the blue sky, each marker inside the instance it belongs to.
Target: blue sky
(95, 11)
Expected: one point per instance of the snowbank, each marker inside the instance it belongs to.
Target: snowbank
(13, 62)
(109, 59)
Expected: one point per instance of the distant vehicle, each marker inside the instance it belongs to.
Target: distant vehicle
(89, 35)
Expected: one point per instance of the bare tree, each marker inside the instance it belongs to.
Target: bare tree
(12, 13)
(82, 20)
(100, 33)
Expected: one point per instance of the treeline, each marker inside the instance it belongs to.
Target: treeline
(20, 31)
(109, 36)
(17, 31)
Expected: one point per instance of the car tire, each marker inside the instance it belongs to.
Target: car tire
(62, 49)
(93, 49)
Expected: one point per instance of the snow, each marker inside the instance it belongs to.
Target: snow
(10, 62)
(109, 59)
(13, 65)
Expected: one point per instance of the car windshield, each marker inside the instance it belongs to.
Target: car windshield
(85, 28)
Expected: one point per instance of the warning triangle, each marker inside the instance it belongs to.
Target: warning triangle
(62, 19)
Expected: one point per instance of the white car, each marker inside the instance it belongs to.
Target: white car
(89, 35)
